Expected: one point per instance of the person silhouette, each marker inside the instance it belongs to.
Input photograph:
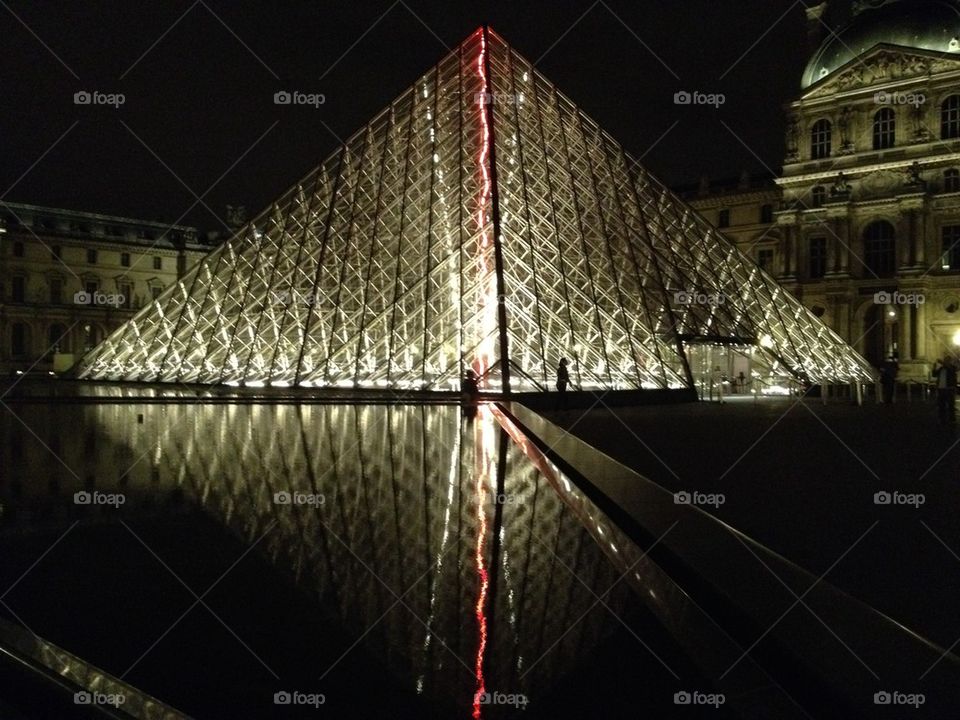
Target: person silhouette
(563, 376)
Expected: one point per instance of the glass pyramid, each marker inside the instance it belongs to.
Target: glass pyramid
(481, 220)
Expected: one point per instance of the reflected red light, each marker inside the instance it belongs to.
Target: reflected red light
(485, 437)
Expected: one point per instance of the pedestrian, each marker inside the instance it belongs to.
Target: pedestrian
(563, 376)
(742, 382)
(945, 378)
(470, 389)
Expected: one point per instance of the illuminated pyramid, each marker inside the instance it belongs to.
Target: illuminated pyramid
(384, 266)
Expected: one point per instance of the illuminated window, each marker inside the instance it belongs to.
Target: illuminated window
(951, 247)
(879, 248)
(820, 139)
(951, 180)
(950, 117)
(818, 257)
(884, 129)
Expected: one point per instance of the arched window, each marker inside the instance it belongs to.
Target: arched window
(884, 129)
(19, 339)
(950, 117)
(951, 180)
(820, 139)
(58, 339)
(879, 248)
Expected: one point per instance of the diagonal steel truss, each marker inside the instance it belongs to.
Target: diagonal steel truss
(483, 221)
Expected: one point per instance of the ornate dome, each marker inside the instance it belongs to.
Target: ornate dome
(925, 24)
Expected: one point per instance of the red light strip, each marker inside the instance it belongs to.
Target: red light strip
(484, 358)
(484, 459)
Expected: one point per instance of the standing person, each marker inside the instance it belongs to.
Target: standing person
(945, 377)
(470, 389)
(563, 376)
(742, 382)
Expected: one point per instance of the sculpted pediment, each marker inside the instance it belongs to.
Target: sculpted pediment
(883, 64)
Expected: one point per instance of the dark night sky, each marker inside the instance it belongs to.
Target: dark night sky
(199, 99)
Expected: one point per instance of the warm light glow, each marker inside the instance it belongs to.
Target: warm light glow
(956, 338)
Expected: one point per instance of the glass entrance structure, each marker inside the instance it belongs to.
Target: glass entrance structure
(480, 221)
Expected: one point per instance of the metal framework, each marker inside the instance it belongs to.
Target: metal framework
(483, 221)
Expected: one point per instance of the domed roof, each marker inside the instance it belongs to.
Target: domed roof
(925, 24)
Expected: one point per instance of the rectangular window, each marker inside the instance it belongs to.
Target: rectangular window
(56, 291)
(18, 338)
(125, 259)
(765, 259)
(157, 263)
(91, 286)
(951, 247)
(18, 249)
(818, 257)
(92, 257)
(126, 290)
(766, 214)
(723, 220)
(155, 292)
(55, 252)
(18, 288)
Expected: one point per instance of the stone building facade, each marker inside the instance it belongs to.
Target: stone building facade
(69, 278)
(866, 230)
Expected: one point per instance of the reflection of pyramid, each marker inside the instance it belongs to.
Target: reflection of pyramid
(481, 182)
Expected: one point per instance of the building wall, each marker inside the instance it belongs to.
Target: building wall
(48, 256)
(830, 203)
